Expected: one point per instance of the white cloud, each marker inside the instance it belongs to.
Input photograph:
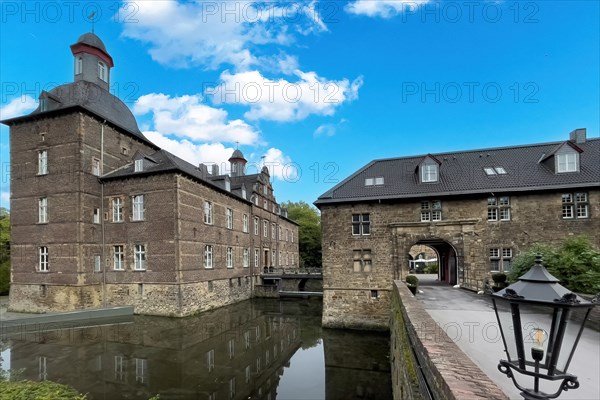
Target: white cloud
(329, 129)
(383, 8)
(280, 166)
(210, 33)
(187, 117)
(17, 107)
(283, 100)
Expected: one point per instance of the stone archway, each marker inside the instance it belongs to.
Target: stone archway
(447, 259)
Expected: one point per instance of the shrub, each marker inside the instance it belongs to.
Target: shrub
(431, 269)
(412, 280)
(46, 390)
(499, 277)
(576, 263)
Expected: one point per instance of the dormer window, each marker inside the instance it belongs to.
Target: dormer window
(139, 165)
(567, 162)
(244, 192)
(78, 65)
(102, 71)
(429, 172)
(227, 185)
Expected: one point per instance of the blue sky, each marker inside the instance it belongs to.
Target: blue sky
(320, 88)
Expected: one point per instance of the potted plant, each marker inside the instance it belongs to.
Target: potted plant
(499, 281)
(413, 283)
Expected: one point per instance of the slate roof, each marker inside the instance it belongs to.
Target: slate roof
(463, 173)
(93, 40)
(90, 97)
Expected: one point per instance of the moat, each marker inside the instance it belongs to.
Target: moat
(259, 349)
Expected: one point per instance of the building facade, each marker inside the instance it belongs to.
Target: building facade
(477, 209)
(101, 216)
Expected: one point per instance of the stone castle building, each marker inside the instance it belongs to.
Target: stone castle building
(477, 209)
(101, 216)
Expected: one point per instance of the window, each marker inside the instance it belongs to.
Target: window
(567, 162)
(575, 206)
(208, 213)
(118, 258)
(96, 218)
(119, 368)
(229, 257)
(256, 225)
(265, 228)
(246, 261)
(244, 192)
(139, 165)
(43, 259)
(431, 211)
(256, 258)
(78, 65)
(117, 210)
(227, 185)
(500, 259)
(247, 339)
(231, 346)
(42, 368)
(229, 213)
(264, 188)
(273, 230)
(95, 167)
(97, 264)
(280, 232)
(374, 294)
(245, 223)
(232, 388)
(102, 71)
(138, 207)
(363, 233)
(498, 208)
(210, 360)
(42, 162)
(361, 225)
(43, 210)
(377, 181)
(208, 257)
(141, 370)
(429, 172)
(139, 257)
(280, 258)
(287, 233)
(362, 261)
(265, 204)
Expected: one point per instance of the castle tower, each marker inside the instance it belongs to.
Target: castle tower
(237, 163)
(92, 61)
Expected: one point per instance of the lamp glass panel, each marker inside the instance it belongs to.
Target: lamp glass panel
(505, 320)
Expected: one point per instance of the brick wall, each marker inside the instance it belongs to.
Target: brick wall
(424, 356)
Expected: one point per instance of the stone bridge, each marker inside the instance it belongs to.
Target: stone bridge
(294, 282)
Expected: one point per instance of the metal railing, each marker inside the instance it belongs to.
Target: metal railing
(292, 271)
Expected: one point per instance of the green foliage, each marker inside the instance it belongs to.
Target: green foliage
(576, 263)
(412, 280)
(309, 232)
(46, 390)
(4, 251)
(4, 278)
(431, 268)
(499, 277)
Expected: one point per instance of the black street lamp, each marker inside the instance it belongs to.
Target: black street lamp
(524, 325)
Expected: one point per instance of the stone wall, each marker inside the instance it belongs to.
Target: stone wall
(424, 358)
(464, 231)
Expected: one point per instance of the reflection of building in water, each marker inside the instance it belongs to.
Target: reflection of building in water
(235, 352)
(359, 371)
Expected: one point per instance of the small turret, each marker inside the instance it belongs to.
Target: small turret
(92, 61)
(237, 163)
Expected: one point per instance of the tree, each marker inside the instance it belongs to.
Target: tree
(309, 232)
(576, 263)
(4, 251)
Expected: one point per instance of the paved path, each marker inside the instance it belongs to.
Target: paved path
(470, 321)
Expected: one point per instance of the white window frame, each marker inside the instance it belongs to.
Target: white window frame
(502, 257)
(141, 370)
(43, 162)
(96, 216)
(138, 165)
(97, 263)
(256, 258)
(229, 257)
(229, 213)
(96, 170)
(119, 257)
(245, 224)
(210, 360)
(78, 65)
(292, 233)
(499, 208)
(575, 205)
(138, 207)
(43, 210)
(567, 162)
(273, 230)
(360, 227)
(117, 210)
(208, 257)
(265, 228)
(246, 258)
(208, 212)
(429, 173)
(102, 71)
(43, 259)
(139, 257)
(256, 228)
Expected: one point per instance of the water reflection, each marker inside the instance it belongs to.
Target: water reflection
(260, 349)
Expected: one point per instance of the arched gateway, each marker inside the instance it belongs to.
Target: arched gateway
(445, 258)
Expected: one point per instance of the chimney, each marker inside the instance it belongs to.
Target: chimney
(215, 169)
(203, 170)
(578, 135)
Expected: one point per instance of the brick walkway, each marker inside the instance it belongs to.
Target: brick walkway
(470, 321)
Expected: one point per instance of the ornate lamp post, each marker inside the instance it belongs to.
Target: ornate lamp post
(539, 339)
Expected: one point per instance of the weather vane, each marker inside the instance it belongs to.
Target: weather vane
(91, 18)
